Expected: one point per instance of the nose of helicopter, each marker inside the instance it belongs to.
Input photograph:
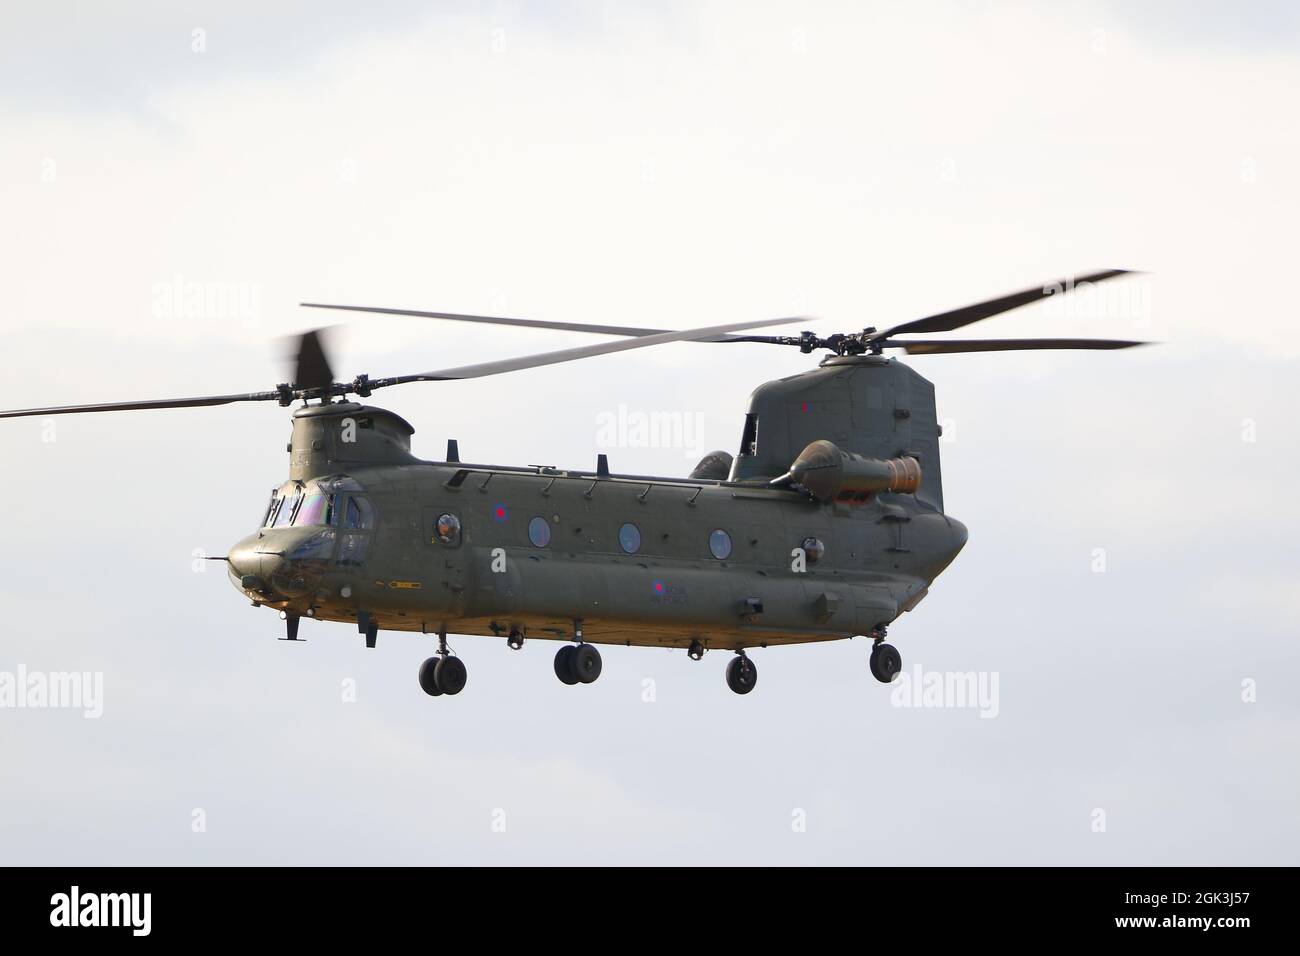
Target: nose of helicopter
(279, 563)
(253, 561)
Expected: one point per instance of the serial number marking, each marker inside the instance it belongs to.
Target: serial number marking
(1226, 898)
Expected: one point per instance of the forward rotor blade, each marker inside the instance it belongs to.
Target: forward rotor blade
(947, 321)
(586, 351)
(496, 320)
(142, 406)
(312, 368)
(1006, 345)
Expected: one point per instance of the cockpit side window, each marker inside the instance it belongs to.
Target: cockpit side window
(357, 516)
(360, 513)
(315, 510)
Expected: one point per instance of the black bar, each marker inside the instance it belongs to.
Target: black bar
(978, 906)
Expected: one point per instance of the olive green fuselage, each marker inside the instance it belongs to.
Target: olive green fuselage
(543, 551)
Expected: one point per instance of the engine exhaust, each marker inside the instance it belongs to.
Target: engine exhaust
(828, 473)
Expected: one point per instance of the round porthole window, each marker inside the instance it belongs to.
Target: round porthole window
(539, 532)
(629, 538)
(720, 544)
(447, 529)
(813, 549)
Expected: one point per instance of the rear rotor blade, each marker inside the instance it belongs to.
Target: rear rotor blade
(957, 318)
(142, 406)
(1006, 345)
(586, 351)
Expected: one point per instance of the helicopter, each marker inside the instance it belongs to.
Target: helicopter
(828, 523)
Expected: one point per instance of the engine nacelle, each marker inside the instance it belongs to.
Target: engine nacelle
(828, 473)
(715, 466)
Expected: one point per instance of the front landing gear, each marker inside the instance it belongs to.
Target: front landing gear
(450, 675)
(443, 674)
(742, 674)
(429, 677)
(577, 664)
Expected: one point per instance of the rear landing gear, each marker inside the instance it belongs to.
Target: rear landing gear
(886, 663)
(577, 664)
(443, 674)
(742, 674)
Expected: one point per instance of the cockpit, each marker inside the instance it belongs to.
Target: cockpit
(337, 504)
(333, 503)
(325, 523)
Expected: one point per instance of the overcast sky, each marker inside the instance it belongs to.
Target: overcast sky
(657, 164)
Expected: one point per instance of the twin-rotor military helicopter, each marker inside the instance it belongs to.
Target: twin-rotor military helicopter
(828, 522)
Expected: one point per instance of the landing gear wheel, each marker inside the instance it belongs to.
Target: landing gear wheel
(428, 679)
(886, 663)
(450, 675)
(564, 665)
(585, 663)
(696, 650)
(742, 674)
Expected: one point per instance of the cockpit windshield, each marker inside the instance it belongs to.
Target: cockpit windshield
(319, 505)
(284, 516)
